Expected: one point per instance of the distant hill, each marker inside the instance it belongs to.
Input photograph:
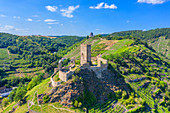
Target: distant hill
(145, 35)
(152, 37)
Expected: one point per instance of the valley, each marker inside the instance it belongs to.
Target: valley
(137, 78)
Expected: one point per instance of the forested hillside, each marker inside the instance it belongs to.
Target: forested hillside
(144, 35)
(26, 56)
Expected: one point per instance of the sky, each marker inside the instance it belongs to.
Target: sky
(80, 17)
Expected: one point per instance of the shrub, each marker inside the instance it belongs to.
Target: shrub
(5, 102)
(118, 94)
(130, 106)
(80, 104)
(137, 110)
(111, 95)
(162, 85)
(77, 70)
(76, 103)
(77, 62)
(124, 95)
(46, 98)
(75, 78)
(158, 91)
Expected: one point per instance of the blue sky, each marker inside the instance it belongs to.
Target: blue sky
(80, 17)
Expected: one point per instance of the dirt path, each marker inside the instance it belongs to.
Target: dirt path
(62, 108)
(109, 43)
(121, 106)
(8, 54)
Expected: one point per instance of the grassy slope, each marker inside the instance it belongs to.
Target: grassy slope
(46, 108)
(76, 51)
(162, 46)
(119, 45)
(4, 59)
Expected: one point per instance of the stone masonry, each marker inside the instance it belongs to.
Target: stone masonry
(85, 53)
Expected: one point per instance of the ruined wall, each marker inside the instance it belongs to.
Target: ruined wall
(103, 63)
(53, 83)
(64, 76)
(101, 66)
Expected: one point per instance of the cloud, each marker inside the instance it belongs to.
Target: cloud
(53, 23)
(68, 12)
(9, 28)
(103, 5)
(29, 19)
(99, 6)
(49, 27)
(2, 15)
(153, 1)
(35, 16)
(16, 17)
(128, 21)
(144, 30)
(97, 29)
(51, 8)
(49, 20)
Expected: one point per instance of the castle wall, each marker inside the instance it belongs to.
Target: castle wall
(53, 83)
(85, 52)
(64, 76)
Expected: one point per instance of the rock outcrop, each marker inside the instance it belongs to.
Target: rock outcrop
(68, 91)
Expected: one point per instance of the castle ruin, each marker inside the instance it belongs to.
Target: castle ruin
(85, 61)
(85, 51)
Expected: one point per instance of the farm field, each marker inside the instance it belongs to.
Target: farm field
(19, 66)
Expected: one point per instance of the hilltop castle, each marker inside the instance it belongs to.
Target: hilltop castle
(85, 61)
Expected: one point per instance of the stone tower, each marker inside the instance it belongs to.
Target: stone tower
(91, 34)
(85, 53)
(60, 65)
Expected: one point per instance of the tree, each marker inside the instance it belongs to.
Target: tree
(12, 95)
(1, 103)
(20, 93)
(5, 102)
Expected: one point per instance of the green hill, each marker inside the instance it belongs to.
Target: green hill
(23, 57)
(159, 39)
(137, 80)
